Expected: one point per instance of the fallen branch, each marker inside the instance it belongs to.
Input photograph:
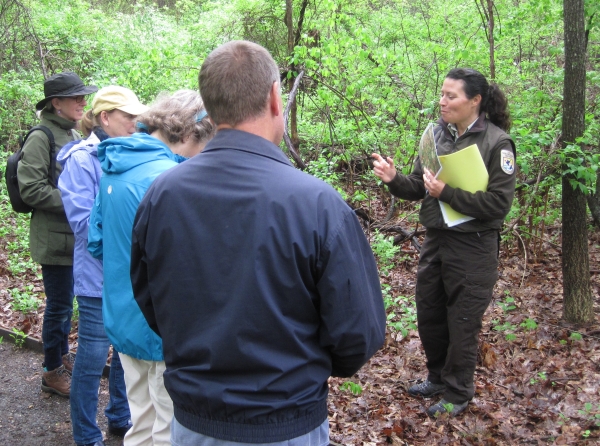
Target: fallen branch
(406, 235)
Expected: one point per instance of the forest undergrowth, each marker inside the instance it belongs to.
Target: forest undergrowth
(536, 379)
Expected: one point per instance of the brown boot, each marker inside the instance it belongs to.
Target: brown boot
(69, 361)
(57, 381)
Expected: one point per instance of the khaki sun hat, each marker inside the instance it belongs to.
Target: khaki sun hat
(119, 98)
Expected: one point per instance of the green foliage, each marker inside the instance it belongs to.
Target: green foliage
(356, 389)
(325, 169)
(360, 192)
(401, 313)
(505, 327)
(15, 231)
(18, 337)
(373, 72)
(541, 376)
(529, 324)
(580, 166)
(509, 302)
(385, 251)
(18, 94)
(591, 414)
(24, 300)
(75, 310)
(575, 336)
(448, 407)
(563, 419)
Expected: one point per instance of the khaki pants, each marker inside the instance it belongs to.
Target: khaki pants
(150, 404)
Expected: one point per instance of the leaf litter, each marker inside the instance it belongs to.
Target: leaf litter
(533, 386)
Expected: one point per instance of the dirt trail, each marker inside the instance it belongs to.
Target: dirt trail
(30, 417)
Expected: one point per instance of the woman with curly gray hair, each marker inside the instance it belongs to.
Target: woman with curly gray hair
(175, 128)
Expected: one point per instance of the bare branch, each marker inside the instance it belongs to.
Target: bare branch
(286, 136)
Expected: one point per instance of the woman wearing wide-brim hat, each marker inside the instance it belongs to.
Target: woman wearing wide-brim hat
(50, 237)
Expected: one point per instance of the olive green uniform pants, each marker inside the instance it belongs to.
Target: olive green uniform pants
(455, 280)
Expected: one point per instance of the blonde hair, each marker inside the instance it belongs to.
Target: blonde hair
(88, 122)
(176, 117)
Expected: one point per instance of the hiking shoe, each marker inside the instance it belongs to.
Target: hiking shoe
(57, 381)
(68, 361)
(120, 431)
(426, 389)
(443, 406)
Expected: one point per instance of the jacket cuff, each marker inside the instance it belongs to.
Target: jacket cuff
(447, 194)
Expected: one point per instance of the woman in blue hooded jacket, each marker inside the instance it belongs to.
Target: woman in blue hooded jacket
(113, 114)
(175, 128)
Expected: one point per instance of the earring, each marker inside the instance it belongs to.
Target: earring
(58, 112)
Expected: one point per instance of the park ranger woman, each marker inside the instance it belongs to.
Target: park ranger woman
(458, 264)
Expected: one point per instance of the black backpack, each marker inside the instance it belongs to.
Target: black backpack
(10, 175)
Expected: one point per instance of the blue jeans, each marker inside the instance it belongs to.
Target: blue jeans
(87, 371)
(58, 286)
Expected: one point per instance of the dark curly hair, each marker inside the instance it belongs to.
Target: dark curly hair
(493, 100)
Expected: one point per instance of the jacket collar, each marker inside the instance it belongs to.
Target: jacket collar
(59, 121)
(100, 133)
(478, 126)
(246, 142)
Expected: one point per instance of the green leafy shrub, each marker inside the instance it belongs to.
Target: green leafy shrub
(385, 252)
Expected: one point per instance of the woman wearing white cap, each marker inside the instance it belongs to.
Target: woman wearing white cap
(113, 114)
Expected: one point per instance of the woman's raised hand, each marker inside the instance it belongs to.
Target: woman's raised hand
(384, 169)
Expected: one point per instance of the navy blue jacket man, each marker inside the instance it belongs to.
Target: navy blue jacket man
(257, 276)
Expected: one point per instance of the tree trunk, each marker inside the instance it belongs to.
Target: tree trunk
(490, 5)
(577, 293)
(486, 11)
(293, 39)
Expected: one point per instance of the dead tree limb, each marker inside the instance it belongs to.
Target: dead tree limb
(286, 137)
(406, 235)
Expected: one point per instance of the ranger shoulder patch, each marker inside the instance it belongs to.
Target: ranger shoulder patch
(507, 161)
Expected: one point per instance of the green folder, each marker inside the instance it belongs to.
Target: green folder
(463, 170)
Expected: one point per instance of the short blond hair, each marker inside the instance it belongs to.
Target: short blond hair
(235, 81)
(178, 116)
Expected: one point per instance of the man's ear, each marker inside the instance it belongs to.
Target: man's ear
(275, 102)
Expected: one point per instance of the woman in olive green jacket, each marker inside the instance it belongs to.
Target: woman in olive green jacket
(50, 237)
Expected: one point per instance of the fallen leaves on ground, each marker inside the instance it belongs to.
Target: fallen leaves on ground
(540, 387)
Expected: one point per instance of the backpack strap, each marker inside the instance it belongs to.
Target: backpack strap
(46, 130)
